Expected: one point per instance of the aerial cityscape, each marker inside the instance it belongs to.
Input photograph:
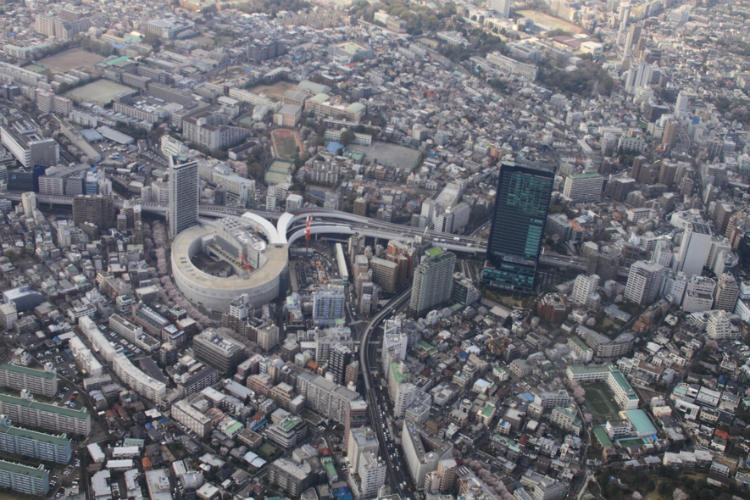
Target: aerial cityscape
(375, 249)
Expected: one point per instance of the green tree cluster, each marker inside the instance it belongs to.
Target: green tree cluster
(98, 47)
(273, 7)
(588, 79)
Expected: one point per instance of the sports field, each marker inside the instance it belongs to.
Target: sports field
(100, 92)
(71, 59)
(548, 22)
(285, 143)
(275, 91)
(278, 172)
(601, 403)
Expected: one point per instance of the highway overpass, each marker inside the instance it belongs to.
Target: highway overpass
(291, 227)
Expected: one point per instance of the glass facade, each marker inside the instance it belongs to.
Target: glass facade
(523, 196)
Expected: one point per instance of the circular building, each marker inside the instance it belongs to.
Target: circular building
(217, 261)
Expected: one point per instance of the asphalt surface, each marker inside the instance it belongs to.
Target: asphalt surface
(377, 406)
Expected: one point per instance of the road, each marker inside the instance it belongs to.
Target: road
(376, 404)
(325, 221)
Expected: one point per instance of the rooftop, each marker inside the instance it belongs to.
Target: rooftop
(81, 414)
(33, 472)
(32, 372)
(7, 428)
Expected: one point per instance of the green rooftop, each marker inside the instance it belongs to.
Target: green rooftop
(117, 60)
(133, 442)
(34, 472)
(585, 175)
(623, 383)
(584, 369)
(234, 428)
(487, 410)
(397, 373)
(31, 372)
(6, 428)
(602, 437)
(425, 345)
(81, 414)
(567, 412)
(510, 443)
(575, 339)
(290, 423)
(435, 251)
(641, 422)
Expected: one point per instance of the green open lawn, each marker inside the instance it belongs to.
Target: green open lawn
(628, 443)
(601, 403)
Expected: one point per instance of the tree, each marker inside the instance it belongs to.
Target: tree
(347, 137)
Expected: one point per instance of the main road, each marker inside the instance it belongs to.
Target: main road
(375, 404)
(329, 221)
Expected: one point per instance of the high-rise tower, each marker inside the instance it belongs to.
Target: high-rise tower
(183, 196)
(433, 280)
(521, 206)
(694, 248)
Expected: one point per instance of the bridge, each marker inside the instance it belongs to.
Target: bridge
(291, 226)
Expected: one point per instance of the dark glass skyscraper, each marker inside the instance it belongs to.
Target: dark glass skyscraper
(523, 196)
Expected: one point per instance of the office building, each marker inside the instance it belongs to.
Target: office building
(94, 209)
(43, 382)
(521, 206)
(584, 287)
(137, 380)
(699, 294)
(327, 339)
(662, 253)
(211, 129)
(26, 141)
(502, 7)
(355, 416)
(370, 474)
(464, 291)
(29, 203)
(433, 280)
(694, 249)
(191, 417)
(133, 333)
(395, 343)
(325, 397)
(329, 305)
(30, 413)
(644, 283)
(184, 196)
(586, 187)
(33, 444)
(268, 337)
(62, 27)
(220, 351)
(289, 476)
(719, 327)
(727, 293)
(338, 361)
(158, 485)
(360, 440)
(287, 432)
(422, 452)
(384, 274)
(24, 479)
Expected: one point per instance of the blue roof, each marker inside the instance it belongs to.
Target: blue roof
(527, 396)
(334, 146)
(343, 493)
(463, 355)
